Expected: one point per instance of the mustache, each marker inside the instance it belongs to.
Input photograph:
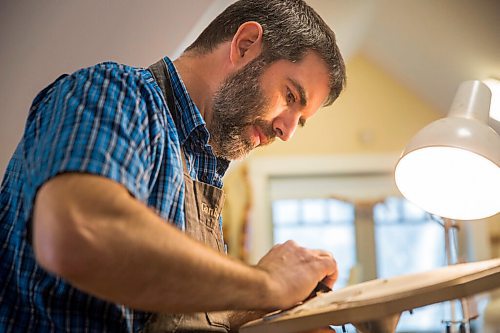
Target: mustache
(267, 129)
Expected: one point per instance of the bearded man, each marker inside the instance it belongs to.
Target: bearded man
(110, 206)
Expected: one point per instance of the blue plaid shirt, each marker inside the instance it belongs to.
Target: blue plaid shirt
(110, 120)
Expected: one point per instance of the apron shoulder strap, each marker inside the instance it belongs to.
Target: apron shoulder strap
(161, 75)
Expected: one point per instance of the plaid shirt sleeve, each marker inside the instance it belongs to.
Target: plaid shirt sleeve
(96, 121)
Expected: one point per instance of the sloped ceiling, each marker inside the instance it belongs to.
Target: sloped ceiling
(432, 46)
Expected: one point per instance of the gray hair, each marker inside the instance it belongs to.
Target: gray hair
(291, 30)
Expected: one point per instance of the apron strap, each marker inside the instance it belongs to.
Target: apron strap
(161, 74)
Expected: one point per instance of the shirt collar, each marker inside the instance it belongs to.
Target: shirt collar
(191, 122)
(192, 126)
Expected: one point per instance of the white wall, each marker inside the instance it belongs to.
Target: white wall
(39, 40)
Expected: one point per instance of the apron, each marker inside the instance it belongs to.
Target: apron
(202, 208)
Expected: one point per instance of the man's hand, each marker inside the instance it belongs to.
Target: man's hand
(294, 272)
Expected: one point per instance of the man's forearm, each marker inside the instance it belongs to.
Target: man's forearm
(110, 245)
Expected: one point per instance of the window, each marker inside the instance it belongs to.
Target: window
(318, 224)
(406, 241)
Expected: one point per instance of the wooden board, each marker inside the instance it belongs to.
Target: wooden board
(383, 298)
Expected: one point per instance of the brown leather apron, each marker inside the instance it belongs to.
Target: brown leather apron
(202, 208)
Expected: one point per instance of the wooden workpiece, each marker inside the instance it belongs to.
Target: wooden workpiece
(374, 306)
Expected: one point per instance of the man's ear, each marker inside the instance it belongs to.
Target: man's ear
(246, 44)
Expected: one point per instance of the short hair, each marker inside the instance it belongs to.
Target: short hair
(291, 29)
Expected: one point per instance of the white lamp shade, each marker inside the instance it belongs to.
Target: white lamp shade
(451, 168)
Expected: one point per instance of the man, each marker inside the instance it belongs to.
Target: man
(110, 206)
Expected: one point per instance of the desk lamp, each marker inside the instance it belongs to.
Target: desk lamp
(451, 168)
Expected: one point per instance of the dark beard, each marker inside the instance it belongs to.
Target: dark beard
(238, 104)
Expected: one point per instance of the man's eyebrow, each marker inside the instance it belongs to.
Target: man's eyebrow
(301, 90)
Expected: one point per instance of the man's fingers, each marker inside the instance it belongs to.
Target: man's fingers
(329, 260)
(295, 271)
(332, 270)
(330, 280)
(323, 253)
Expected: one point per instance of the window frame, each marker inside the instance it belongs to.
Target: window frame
(263, 169)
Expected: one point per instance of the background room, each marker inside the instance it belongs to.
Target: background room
(332, 186)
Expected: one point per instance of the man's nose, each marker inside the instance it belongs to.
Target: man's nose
(285, 125)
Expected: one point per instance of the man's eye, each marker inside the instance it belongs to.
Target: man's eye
(290, 98)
